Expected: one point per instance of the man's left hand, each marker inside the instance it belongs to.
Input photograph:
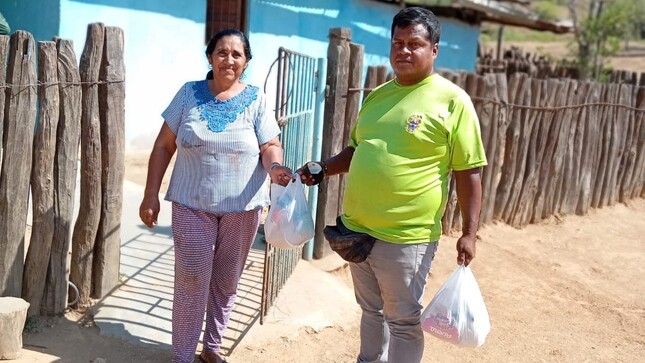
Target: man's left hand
(466, 249)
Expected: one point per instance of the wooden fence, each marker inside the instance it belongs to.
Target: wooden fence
(554, 146)
(52, 108)
(514, 60)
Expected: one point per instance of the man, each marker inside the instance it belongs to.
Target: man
(410, 134)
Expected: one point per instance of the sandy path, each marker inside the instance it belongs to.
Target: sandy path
(568, 290)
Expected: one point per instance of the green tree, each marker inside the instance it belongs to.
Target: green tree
(600, 26)
(547, 10)
(637, 19)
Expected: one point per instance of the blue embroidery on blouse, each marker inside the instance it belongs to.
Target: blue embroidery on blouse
(216, 113)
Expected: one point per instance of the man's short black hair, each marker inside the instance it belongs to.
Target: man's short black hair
(416, 15)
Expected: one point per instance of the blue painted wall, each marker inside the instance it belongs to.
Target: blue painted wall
(458, 45)
(164, 47)
(39, 17)
(164, 41)
(303, 26)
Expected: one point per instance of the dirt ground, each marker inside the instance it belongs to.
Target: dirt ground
(567, 290)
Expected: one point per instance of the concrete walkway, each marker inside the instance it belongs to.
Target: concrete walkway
(140, 310)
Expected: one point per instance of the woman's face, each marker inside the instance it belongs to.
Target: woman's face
(228, 59)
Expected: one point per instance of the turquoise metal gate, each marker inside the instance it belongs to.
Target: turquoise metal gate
(299, 107)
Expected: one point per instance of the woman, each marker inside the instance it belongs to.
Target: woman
(226, 143)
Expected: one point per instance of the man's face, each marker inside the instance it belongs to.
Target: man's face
(412, 54)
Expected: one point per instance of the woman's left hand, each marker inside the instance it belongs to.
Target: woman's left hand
(281, 174)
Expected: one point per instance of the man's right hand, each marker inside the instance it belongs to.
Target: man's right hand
(312, 173)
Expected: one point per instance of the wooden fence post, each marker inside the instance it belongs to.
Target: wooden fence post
(573, 151)
(599, 174)
(611, 139)
(638, 180)
(112, 107)
(485, 110)
(492, 118)
(355, 80)
(370, 81)
(625, 154)
(16, 164)
(381, 74)
(42, 175)
(524, 120)
(534, 136)
(550, 129)
(589, 153)
(541, 150)
(338, 55)
(517, 89)
(65, 169)
(4, 49)
(89, 215)
(497, 145)
(558, 169)
(617, 142)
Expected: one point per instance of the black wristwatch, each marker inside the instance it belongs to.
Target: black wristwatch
(317, 170)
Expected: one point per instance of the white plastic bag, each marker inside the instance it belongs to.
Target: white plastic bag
(289, 223)
(457, 312)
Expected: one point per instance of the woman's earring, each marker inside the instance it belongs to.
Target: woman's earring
(210, 66)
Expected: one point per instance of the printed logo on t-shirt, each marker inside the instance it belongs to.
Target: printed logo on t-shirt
(413, 123)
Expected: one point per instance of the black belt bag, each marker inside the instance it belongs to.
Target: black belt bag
(351, 246)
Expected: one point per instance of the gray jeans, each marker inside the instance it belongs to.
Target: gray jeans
(389, 289)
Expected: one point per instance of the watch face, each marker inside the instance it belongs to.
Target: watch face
(314, 168)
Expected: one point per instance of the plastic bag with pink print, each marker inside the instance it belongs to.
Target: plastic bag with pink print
(457, 313)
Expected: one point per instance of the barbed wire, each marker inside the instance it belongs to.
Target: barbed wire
(554, 108)
(46, 84)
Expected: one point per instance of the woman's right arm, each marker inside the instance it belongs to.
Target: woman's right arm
(162, 151)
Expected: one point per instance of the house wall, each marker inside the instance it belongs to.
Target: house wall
(163, 47)
(303, 26)
(164, 41)
(39, 17)
(458, 45)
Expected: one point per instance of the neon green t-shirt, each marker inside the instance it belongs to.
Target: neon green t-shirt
(407, 139)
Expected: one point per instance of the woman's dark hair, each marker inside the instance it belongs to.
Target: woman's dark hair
(416, 15)
(224, 33)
